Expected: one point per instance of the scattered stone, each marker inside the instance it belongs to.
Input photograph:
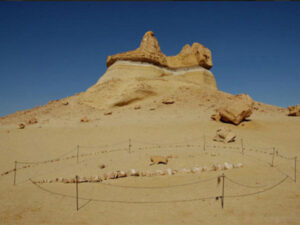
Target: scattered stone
(168, 172)
(137, 107)
(204, 169)
(21, 126)
(216, 167)
(133, 172)
(112, 175)
(32, 121)
(238, 165)
(143, 173)
(227, 166)
(151, 109)
(196, 169)
(84, 119)
(158, 160)
(102, 166)
(224, 135)
(294, 110)
(108, 113)
(216, 117)
(159, 172)
(167, 101)
(65, 103)
(184, 170)
(121, 174)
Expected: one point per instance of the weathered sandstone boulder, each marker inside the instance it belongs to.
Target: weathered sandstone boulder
(294, 110)
(236, 110)
(224, 135)
(84, 119)
(32, 121)
(21, 126)
(158, 160)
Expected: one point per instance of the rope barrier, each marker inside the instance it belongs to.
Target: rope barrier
(159, 187)
(258, 192)
(120, 201)
(47, 161)
(158, 202)
(244, 185)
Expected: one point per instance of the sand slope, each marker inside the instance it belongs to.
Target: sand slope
(168, 129)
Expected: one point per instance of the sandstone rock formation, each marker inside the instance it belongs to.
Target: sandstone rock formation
(149, 51)
(224, 135)
(294, 110)
(195, 55)
(236, 110)
(146, 74)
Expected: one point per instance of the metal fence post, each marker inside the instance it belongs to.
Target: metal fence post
(223, 187)
(15, 173)
(204, 143)
(295, 168)
(273, 157)
(77, 154)
(129, 145)
(242, 145)
(76, 181)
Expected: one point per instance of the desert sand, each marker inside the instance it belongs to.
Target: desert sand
(137, 110)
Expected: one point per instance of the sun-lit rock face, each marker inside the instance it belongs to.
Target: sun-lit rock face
(149, 51)
(147, 75)
(190, 56)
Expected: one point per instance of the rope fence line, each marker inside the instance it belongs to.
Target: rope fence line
(120, 201)
(160, 187)
(258, 192)
(222, 197)
(62, 157)
(243, 185)
(215, 146)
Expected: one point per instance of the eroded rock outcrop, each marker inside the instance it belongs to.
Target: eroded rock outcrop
(149, 51)
(147, 75)
(190, 56)
(237, 109)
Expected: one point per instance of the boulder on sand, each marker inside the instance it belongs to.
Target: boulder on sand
(224, 135)
(158, 160)
(21, 125)
(294, 110)
(32, 121)
(236, 110)
(84, 120)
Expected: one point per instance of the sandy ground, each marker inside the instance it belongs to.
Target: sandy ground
(177, 129)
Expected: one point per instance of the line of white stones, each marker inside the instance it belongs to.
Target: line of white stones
(136, 173)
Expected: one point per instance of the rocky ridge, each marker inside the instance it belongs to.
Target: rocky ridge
(149, 51)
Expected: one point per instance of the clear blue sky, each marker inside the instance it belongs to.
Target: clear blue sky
(56, 49)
